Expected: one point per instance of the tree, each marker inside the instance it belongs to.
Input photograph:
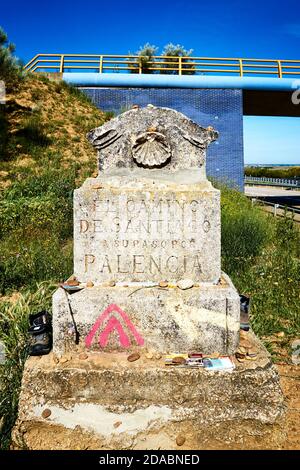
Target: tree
(10, 69)
(174, 51)
(145, 57)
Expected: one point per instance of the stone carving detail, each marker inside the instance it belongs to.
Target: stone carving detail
(106, 138)
(153, 138)
(150, 148)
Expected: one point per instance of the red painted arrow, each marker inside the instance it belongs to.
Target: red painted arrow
(113, 324)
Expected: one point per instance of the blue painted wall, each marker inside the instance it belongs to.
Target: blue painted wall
(219, 108)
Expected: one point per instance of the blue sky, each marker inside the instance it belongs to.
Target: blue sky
(258, 29)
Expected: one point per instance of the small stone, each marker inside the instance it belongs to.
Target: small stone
(241, 359)
(281, 334)
(46, 413)
(163, 284)
(112, 283)
(250, 358)
(244, 343)
(157, 355)
(89, 284)
(178, 360)
(133, 357)
(240, 355)
(252, 352)
(117, 424)
(83, 355)
(149, 355)
(244, 334)
(185, 284)
(180, 439)
(72, 282)
(242, 350)
(55, 359)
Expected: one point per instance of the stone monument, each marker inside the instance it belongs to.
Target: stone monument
(147, 261)
(147, 227)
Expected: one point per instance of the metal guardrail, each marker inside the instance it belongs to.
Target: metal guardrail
(278, 209)
(283, 182)
(163, 64)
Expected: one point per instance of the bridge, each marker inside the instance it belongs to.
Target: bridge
(210, 90)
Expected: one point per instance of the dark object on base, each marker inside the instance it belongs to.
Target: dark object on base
(245, 310)
(40, 331)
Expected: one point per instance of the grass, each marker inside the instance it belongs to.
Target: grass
(262, 255)
(13, 334)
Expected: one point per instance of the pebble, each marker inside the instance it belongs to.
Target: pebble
(133, 357)
(83, 355)
(244, 343)
(112, 283)
(240, 355)
(149, 355)
(157, 356)
(180, 440)
(185, 284)
(117, 424)
(72, 282)
(55, 359)
(163, 284)
(46, 413)
(281, 334)
(89, 284)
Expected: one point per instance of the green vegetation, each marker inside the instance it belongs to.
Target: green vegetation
(13, 333)
(147, 54)
(273, 172)
(10, 67)
(262, 256)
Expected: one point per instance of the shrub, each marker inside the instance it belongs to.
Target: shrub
(175, 51)
(145, 54)
(10, 68)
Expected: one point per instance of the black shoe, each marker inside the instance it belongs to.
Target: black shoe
(40, 331)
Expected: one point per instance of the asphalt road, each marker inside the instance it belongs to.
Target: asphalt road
(285, 197)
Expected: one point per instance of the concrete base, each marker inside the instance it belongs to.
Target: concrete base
(204, 318)
(105, 402)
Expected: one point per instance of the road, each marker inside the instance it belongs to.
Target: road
(285, 197)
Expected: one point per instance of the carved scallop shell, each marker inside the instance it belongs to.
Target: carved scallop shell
(151, 149)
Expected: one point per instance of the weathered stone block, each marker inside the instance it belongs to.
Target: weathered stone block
(204, 318)
(106, 402)
(134, 226)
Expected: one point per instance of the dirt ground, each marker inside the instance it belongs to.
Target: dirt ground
(290, 382)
